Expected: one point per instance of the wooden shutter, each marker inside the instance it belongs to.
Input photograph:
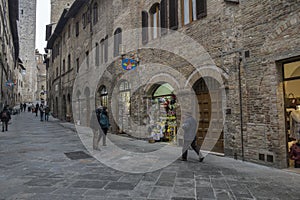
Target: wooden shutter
(201, 8)
(144, 27)
(163, 16)
(173, 12)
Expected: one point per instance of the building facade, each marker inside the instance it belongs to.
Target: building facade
(41, 92)
(9, 60)
(27, 32)
(245, 71)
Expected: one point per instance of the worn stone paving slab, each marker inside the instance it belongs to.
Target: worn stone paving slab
(33, 166)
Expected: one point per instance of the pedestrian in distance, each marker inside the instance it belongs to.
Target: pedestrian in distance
(41, 108)
(189, 127)
(104, 124)
(5, 117)
(21, 107)
(24, 107)
(47, 112)
(36, 109)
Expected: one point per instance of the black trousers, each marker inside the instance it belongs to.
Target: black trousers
(4, 125)
(186, 146)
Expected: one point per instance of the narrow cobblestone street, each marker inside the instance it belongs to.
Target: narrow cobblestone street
(33, 166)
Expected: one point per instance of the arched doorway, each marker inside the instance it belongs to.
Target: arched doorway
(209, 96)
(63, 107)
(162, 113)
(124, 106)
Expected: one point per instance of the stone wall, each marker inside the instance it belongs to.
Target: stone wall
(26, 30)
(268, 30)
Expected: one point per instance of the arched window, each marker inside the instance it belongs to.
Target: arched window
(192, 10)
(97, 54)
(117, 41)
(95, 13)
(144, 27)
(155, 20)
(104, 50)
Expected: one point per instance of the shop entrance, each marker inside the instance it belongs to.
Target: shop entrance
(162, 114)
(124, 107)
(210, 111)
(291, 78)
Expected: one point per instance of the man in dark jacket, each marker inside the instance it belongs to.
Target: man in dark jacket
(5, 117)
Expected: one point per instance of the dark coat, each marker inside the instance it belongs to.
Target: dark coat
(7, 114)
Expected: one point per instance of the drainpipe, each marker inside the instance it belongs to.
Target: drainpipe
(240, 61)
(241, 103)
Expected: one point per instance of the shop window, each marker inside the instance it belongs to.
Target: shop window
(124, 106)
(95, 13)
(144, 27)
(117, 41)
(291, 77)
(173, 14)
(103, 96)
(192, 10)
(163, 114)
(155, 20)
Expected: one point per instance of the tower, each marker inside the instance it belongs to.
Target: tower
(27, 33)
(57, 7)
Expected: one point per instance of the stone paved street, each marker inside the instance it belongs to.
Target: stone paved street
(33, 166)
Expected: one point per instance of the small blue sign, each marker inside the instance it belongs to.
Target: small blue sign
(128, 64)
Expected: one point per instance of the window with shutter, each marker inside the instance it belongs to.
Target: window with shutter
(117, 41)
(144, 27)
(163, 17)
(173, 16)
(106, 49)
(192, 10)
(155, 20)
(201, 9)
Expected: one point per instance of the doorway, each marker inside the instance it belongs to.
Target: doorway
(209, 96)
(291, 83)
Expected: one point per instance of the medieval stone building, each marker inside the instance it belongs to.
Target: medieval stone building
(239, 58)
(27, 29)
(10, 76)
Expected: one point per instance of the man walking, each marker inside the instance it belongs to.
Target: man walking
(190, 127)
(47, 112)
(42, 112)
(5, 117)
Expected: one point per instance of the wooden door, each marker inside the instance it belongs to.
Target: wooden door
(210, 115)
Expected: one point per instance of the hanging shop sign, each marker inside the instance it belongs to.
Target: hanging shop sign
(128, 64)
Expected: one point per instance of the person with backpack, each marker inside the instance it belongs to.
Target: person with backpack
(47, 112)
(5, 117)
(104, 124)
